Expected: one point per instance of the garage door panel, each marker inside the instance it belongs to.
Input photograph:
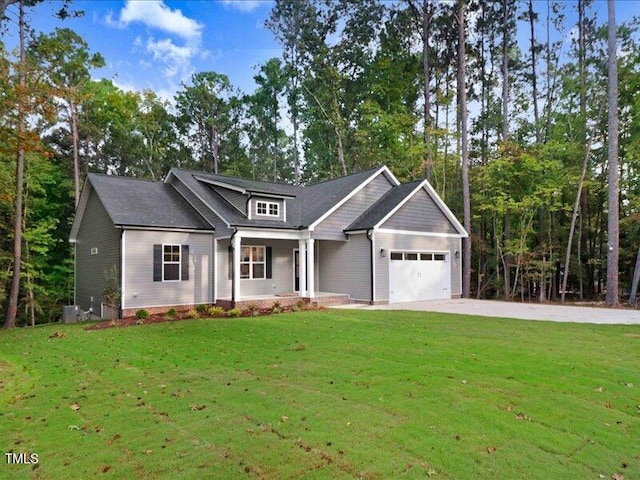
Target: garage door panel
(413, 280)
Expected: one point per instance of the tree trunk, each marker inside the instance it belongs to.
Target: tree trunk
(14, 289)
(466, 197)
(534, 76)
(613, 174)
(633, 300)
(75, 138)
(426, 67)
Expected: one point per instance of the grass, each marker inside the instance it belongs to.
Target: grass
(329, 394)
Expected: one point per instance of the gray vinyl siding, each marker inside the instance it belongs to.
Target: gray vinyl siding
(420, 214)
(391, 242)
(140, 291)
(281, 269)
(221, 229)
(237, 199)
(331, 228)
(345, 267)
(96, 231)
(254, 207)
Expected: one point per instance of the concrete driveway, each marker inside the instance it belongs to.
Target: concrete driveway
(525, 311)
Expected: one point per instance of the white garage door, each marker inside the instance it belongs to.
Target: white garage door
(418, 276)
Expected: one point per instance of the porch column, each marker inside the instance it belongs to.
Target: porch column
(302, 262)
(311, 267)
(237, 241)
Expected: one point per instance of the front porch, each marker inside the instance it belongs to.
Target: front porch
(286, 299)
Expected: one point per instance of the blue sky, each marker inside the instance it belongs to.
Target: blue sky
(157, 45)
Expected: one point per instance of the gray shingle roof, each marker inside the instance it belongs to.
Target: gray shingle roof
(144, 203)
(383, 207)
(304, 206)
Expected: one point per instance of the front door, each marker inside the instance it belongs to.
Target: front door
(296, 270)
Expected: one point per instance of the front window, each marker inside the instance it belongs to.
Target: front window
(252, 262)
(270, 209)
(171, 262)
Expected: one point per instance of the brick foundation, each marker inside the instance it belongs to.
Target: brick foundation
(323, 301)
(131, 312)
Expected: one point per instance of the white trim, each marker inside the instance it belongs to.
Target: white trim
(268, 206)
(75, 274)
(179, 262)
(273, 233)
(214, 269)
(419, 234)
(374, 256)
(165, 229)
(302, 273)
(284, 210)
(448, 213)
(220, 184)
(311, 268)
(122, 269)
(383, 169)
(237, 245)
(82, 207)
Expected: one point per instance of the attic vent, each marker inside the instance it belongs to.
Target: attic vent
(94, 251)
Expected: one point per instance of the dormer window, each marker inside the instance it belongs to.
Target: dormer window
(269, 209)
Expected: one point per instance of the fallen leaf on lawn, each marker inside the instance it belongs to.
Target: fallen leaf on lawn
(58, 335)
(607, 405)
(147, 451)
(617, 476)
(509, 408)
(284, 418)
(73, 427)
(600, 389)
(106, 469)
(491, 449)
(198, 407)
(74, 406)
(522, 416)
(464, 382)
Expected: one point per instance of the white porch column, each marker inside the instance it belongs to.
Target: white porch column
(237, 240)
(302, 273)
(311, 267)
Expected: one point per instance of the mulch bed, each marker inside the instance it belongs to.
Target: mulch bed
(161, 318)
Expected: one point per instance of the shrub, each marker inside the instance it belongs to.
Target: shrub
(171, 314)
(202, 308)
(234, 312)
(276, 308)
(142, 314)
(302, 305)
(253, 310)
(216, 311)
(192, 314)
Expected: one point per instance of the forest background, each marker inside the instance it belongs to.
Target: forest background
(499, 103)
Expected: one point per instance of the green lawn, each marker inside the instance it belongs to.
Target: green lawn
(329, 394)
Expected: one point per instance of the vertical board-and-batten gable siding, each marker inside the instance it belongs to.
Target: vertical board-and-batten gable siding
(420, 214)
(141, 291)
(345, 267)
(221, 229)
(416, 243)
(96, 231)
(331, 228)
(254, 208)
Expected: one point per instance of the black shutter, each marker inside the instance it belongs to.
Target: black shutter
(230, 262)
(268, 256)
(185, 262)
(157, 263)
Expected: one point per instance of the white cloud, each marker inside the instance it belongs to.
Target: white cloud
(155, 14)
(244, 5)
(176, 58)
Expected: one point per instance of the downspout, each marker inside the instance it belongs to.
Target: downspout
(373, 268)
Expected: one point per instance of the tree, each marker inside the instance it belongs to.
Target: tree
(462, 99)
(66, 58)
(613, 243)
(208, 117)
